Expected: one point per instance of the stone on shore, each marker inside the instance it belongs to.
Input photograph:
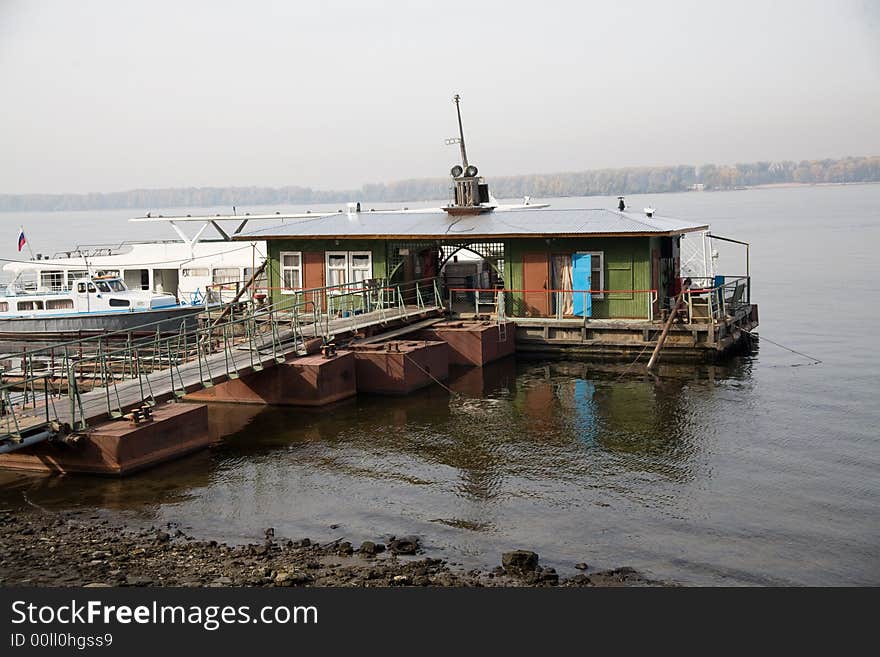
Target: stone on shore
(520, 563)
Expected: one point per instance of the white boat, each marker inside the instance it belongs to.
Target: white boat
(194, 270)
(92, 304)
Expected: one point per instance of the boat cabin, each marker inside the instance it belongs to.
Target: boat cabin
(88, 294)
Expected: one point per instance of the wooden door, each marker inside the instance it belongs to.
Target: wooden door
(581, 279)
(536, 276)
(314, 277)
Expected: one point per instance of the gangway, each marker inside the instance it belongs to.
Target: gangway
(59, 390)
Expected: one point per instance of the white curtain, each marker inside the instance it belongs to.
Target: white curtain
(562, 281)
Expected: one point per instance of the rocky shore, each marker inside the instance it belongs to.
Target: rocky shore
(43, 548)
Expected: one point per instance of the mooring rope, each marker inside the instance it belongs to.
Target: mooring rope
(436, 380)
(758, 336)
(641, 353)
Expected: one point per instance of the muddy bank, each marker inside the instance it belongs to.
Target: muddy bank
(69, 548)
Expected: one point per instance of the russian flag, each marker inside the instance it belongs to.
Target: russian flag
(21, 240)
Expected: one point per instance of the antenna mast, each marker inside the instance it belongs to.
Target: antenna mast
(456, 99)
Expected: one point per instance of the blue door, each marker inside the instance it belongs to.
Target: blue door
(581, 273)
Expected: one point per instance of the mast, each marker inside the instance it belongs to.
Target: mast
(471, 193)
(464, 162)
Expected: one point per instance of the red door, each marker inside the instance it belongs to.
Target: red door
(536, 277)
(313, 277)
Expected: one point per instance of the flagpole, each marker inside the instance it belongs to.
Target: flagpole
(26, 241)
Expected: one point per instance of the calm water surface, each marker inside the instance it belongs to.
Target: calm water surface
(760, 471)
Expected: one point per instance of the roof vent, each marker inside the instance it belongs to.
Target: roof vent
(649, 212)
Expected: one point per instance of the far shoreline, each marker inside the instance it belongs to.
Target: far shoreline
(535, 199)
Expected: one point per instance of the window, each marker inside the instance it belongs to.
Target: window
(337, 268)
(348, 267)
(226, 275)
(193, 272)
(261, 283)
(52, 280)
(4, 306)
(119, 303)
(30, 305)
(59, 304)
(291, 271)
(74, 275)
(111, 285)
(361, 264)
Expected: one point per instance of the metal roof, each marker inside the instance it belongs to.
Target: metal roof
(440, 225)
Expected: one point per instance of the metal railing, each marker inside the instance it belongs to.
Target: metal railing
(103, 375)
(544, 303)
(714, 299)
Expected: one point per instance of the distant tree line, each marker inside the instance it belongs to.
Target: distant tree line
(631, 180)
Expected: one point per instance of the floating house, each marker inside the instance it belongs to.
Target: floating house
(595, 281)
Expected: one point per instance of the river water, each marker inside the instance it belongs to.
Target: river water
(763, 470)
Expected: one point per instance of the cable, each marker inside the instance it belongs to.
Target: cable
(641, 353)
(757, 336)
(436, 380)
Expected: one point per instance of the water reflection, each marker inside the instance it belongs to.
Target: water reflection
(511, 440)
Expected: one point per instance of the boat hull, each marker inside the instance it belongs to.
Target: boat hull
(68, 326)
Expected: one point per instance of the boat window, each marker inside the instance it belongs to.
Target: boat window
(4, 306)
(81, 288)
(198, 271)
(52, 280)
(30, 305)
(74, 275)
(116, 285)
(59, 304)
(92, 288)
(262, 281)
(102, 286)
(291, 271)
(119, 303)
(226, 275)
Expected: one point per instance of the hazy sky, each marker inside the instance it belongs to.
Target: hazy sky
(112, 95)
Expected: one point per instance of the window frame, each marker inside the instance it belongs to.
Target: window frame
(282, 268)
(368, 268)
(327, 268)
(348, 268)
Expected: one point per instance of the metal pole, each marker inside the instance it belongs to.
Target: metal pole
(464, 161)
(665, 332)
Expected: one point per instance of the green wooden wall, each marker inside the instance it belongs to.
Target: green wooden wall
(627, 265)
(275, 247)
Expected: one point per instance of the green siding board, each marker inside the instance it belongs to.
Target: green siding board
(275, 247)
(627, 265)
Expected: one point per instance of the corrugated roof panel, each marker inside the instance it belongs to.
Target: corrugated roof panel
(537, 222)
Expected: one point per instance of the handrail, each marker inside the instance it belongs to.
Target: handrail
(504, 289)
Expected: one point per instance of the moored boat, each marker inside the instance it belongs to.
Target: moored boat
(92, 304)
